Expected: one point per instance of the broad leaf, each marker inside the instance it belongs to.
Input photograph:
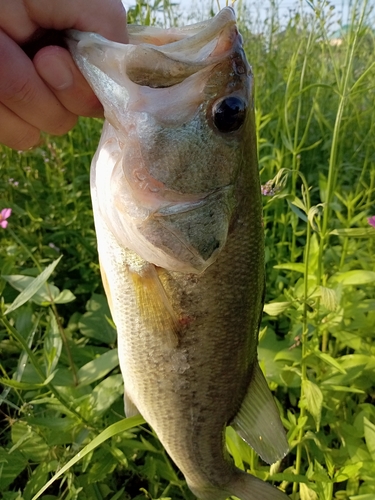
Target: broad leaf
(369, 429)
(29, 286)
(275, 308)
(314, 400)
(98, 367)
(358, 277)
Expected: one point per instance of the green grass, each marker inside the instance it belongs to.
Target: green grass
(61, 385)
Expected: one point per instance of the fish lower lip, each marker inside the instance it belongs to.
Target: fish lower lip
(187, 206)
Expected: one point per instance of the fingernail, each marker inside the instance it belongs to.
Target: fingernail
(55, 72)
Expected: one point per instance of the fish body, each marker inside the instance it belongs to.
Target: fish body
(177, 207)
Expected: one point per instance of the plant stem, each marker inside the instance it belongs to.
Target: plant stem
(304, 334)
(65, 342)
(17, 240)
(344, 91)
(16, 335)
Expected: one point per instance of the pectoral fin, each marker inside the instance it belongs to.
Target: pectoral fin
(258, 421)
(154, 305)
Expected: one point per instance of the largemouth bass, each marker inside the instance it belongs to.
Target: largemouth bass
(178, 216)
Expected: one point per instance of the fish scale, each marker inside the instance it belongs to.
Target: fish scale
(178, 217)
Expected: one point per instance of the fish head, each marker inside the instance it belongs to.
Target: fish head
(178, 137)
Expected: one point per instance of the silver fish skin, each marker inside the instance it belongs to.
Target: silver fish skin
(178, 216)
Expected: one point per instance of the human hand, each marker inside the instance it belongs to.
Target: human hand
(48, 93)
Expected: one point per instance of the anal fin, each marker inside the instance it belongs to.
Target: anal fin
(258, 421)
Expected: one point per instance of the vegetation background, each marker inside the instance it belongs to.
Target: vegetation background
(61, 385)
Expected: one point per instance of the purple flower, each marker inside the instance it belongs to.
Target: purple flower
(5, 214)
(268, 189)
(371, 221)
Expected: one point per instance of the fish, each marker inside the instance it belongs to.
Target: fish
(178, 217)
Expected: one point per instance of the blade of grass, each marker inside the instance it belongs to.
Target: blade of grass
(109, 432)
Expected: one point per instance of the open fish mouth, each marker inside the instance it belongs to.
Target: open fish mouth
(159, 91)
(156, 63)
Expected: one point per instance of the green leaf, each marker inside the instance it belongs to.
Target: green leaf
(28, 442)
(240, 451)
(329, 360)
(355, 232)
(297, 211)
(29, 287)
(98, 367)
(307, 493)
(105, 394)
(39, 477)
(314, 400)
(275, 308)
(52, 345)
(268, 349)
(64, 297)
(286, 141)
(343, 388)
(328, 297)
(314, 211)
(365, 496)
(358, 277)
(291, 266)
(11, 465)
(118, 495)
(101, 468)
(55, 424)
(94, 323)
(23, 386)
(369, 429)
(109, 432)
(299, 203)
(347, 472)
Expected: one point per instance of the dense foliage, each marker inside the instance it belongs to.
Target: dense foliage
(61, 385)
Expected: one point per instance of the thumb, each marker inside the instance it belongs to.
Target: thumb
(56, 67)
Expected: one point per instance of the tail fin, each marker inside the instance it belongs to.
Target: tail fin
(244, 486)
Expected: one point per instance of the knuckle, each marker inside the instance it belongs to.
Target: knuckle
(20, 91)
(62, 126)
(27, 140)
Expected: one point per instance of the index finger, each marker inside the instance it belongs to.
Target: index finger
(105, 18)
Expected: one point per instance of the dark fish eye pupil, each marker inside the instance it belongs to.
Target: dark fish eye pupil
(229, 114)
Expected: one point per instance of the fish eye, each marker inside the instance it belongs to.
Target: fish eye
(229, 114)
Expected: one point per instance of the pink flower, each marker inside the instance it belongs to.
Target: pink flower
(269, 188)
(371, 221)
(5, 214)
